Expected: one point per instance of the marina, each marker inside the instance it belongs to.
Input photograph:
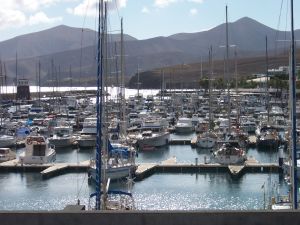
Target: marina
(198, 137)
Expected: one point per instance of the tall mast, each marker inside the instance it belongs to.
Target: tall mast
(16, 73)
(227, 73)
(122, 84)
(267, 81)
(138, 80)
(210, 77)
(39, 83)
(99, 107)
(294, 137)
(71, 78)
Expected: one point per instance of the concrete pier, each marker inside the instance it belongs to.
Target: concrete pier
(47, 170)
(171, 166)
(212, 217)
(145, 170)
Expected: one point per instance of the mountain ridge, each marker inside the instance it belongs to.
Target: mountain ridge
(246, 34)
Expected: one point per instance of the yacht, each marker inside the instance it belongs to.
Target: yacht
(6, 154)
(207, 140)
(37, 151)
(88, 134)
(62, 136)
(7, 141)
(184, 125)
(230, 153)
(154, 134)
(268, 138)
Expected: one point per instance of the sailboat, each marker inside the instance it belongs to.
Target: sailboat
(208, 139)
(292, 203)
(231, 151)
(103, 147)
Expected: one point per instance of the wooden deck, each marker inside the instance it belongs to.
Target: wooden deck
(46, 170)
(171, 166)
(145, 169)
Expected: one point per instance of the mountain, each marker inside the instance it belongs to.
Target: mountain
(63, 45)
(57, 39)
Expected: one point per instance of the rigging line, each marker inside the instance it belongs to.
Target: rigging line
(286, 25)
(80, 74)
(82, 183)
(278, 27)
(116, 5)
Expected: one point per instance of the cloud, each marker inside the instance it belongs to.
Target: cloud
(145, 10)
(11, 18)
(193, 11)
(17, 13)
(27, 5)
(163, 3)
(41, 17)
(89, 7)
(196, 1)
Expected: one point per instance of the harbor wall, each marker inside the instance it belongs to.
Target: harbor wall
(151, 217)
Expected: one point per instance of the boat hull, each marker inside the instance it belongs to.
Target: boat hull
(154, 141)
(114, 173)
(7, 141)
(50, 157)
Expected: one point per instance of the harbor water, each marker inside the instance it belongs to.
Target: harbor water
(161, 191)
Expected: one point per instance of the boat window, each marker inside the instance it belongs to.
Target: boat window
(39, 150)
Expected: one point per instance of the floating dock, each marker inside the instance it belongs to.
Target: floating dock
(47, 170)
(144, 170)
(171, 166)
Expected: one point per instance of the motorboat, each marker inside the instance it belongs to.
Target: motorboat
(62, 136)
(184, 125)
(6, 154)
(230, 153)
(88, 134)
(207, 140)
(154, 134)
(268, 138)
(7, 141)
(37, 151)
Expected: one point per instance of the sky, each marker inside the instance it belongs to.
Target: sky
(143, 19)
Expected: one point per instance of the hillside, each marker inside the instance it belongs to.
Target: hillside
(189, 75)
(62, 44)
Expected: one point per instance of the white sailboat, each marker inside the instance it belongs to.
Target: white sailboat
(208, 139)
(231, 151)
(104, 150)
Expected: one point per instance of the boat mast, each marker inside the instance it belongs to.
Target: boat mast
(294, 138)
(122, 99)
(210, 77)
(39, 82)
(267, 81)
(99, 106)
(227, 73)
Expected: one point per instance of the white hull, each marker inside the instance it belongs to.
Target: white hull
(115, 173)
(50, 157)
(6, 154)
(228, 160)
(156, 140)
(206, 142)
(61, 142)
(7, 141)
(87, 141)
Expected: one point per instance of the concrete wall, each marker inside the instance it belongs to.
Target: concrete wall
(151, 218)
